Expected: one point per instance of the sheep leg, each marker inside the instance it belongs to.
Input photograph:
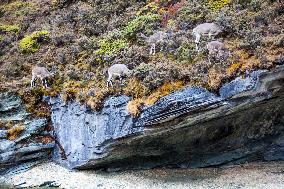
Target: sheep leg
(154, 47)
(209, 35)
(109, 82)
(209, 60)
(120, 80)
(45, 83)
(32, 81)
(196, 46)
(162, 47)
(197, 40)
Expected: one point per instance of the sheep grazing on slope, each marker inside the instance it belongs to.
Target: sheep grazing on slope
(42, 73)
(117, 70)
(155, 39)
(215, 48)
(205, 29)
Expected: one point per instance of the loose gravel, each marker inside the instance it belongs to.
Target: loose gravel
(256, 175)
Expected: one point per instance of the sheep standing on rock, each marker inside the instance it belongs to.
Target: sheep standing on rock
(117, 70)
(42, 73)
(157, 38)
(215, 48)
(209, 29)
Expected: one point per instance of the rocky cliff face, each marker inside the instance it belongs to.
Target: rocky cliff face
(84, 134)
(28, 137)
(188, 128)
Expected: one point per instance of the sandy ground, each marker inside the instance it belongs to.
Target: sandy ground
(257, 175)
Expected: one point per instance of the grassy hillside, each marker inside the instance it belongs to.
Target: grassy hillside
(79, 39)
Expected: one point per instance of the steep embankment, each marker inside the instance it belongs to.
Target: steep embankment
(192, 126)
(78, 40)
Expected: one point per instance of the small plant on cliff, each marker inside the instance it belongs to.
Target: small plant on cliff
(139, 24)
(15, 131)
(109, 46)
(216, 5)
(9, 28)
(31, 43)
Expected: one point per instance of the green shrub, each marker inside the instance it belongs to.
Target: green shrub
(109, 46)
(16, 5)
(216, 5)
(32, 43)
(140, 23)
(19, 8)
(9, 28)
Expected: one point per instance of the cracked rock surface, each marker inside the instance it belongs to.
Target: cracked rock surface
(29, 145)
(188, 128)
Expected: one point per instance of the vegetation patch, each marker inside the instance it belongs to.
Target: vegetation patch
(216, 5)
(142, 23)
(134, 107)
(18, 8)
(89, 37)
(9, 28)
(31, 43)
(109, 46)
(15, 131)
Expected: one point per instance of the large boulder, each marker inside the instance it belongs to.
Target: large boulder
(188, 128)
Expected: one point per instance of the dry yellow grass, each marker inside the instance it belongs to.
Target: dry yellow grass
(15, 131)
(134, 106)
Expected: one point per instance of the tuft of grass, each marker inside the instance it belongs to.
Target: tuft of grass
(134, 106)
(15, 131)
(164, 90)
(16, 5)
(96, 102)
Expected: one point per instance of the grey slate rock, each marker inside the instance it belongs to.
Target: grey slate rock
(89, 132)
(3, 134)
(6, 144)
(240, 85)
(27, 146)
(178, 103)
(33, 127)
(11, 108)
(189, 128)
